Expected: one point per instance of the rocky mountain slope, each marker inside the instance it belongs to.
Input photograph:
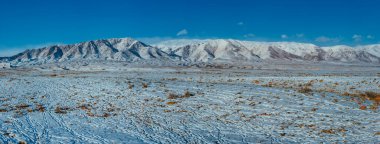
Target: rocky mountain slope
(290, 51)
(193, 51)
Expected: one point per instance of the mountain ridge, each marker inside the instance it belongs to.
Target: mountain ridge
(194, 51)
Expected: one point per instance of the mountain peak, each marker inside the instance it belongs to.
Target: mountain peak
(197, 50)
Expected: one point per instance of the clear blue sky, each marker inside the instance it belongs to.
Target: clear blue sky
(30, 23)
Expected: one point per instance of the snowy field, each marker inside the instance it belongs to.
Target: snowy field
(189, 105)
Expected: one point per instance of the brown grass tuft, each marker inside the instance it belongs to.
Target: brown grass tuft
(130, 86)
(167, 111)
(256, 82)
(185, 95)
(373, 96)
(61, 110)
(172, 96)
(171, 103)
(328, 131)
(40, 108)
(22, 106)
(53, 75)
(105, 115)
(144, 85)
(363, 107)
(305, 90)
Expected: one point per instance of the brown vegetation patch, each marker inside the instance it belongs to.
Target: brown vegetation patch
(53, 75)
(373, 96)
(256, 82)
(105, 115)
(363, 107)
(171, 103)
(368, 95)
(167, 111)
(144, 85)
(40, 108)
(185, 95)
(61, 110)
(22, 106)
(130, 86)
(333, 131)
(3, 110)
(84, 107)
(328, 131)
(305, 90)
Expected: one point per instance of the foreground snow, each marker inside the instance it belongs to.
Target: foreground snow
(172, 105)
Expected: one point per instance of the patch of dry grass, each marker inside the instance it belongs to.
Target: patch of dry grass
(61, 110)
(333, 131)
(130, 86)
(256, 82)
(144, 85)
(3, 110)
(171, 103)
(305, 90)
(53, 75)
(373, 96)
(175, 96)
(22, 106)
(40, 108)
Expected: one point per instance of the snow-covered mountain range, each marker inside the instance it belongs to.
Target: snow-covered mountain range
(208, 50)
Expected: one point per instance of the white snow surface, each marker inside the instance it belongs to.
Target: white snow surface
(118, 104)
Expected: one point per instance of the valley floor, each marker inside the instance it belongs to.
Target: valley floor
(183, 105)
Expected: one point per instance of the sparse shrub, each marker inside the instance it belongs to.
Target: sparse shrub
(185, 95)
(160, 100)
(61, 110)
(363, 107)
(171, 103)
(144, 85)
(171, 79)
(256, 81)
(40, 108)
(130, 86)
(373, 96)
(53, 75)
(328, 131)
(90, 114)
(106, 115)
(22, 106)
(84, 107)
(374, 106)
(346, 94)
(172, 96)
(167, 111)
(305, 90)
(309, 84)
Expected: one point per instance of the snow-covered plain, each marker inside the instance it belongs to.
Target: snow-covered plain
(124, 104)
